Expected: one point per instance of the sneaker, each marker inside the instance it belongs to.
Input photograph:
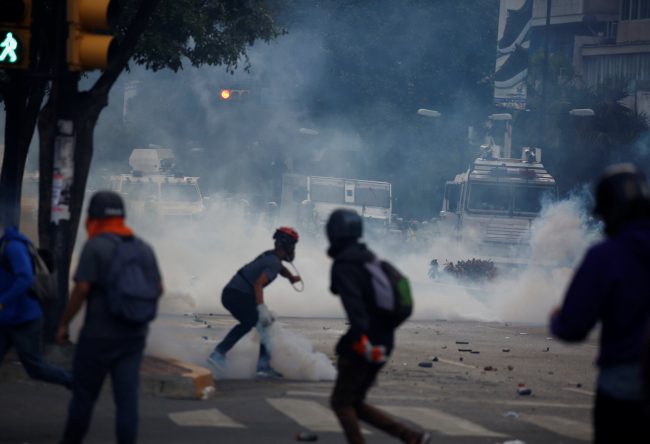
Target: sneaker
(266, 372)
(425, 438)
(217, 362)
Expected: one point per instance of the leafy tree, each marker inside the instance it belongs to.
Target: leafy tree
(181, 31)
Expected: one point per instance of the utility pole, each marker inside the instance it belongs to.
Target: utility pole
(547, 32)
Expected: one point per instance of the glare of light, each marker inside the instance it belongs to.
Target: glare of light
(501, 116)
(429, 112)
(225, 94)
(582, 112)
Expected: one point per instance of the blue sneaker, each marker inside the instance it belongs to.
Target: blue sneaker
(265, 371)
(217, 362)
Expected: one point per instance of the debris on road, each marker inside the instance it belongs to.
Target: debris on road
(511, 414)
(306, 436)
(465, 350)
(425, 364)
(462, 342)
(474, 352)
(505, 350)
(489, 368)
(522, 390)
(510, 368)
(435, 359)
(547, 349)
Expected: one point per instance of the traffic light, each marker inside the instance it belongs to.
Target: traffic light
(88, 48)
(15, 19)
(229, 94)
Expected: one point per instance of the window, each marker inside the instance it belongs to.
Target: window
(625, 9)
(644, 9)
(635, 9)
(182, 192)
(327, 193)
(529, 199)
(489, 198)
(139, 190)
(372, 197)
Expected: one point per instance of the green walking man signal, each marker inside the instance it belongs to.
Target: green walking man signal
(9, 46)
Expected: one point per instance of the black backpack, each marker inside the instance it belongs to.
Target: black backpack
(44, 287)
(132, 287)
(392, 291)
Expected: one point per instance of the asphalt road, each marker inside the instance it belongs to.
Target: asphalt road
(464, 397)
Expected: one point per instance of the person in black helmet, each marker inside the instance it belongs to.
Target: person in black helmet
(611, 287)
(107, 345)
(243, 297)
(365, 347)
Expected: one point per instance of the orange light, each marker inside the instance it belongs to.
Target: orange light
(225, 94)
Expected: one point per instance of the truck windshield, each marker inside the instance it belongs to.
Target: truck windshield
(501, 198)
(139, 190)
(180, 191)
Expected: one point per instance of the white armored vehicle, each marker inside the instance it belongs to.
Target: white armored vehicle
(153, 192)
(490, 207)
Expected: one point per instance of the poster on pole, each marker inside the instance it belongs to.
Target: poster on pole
(62, 174)
(513, 45)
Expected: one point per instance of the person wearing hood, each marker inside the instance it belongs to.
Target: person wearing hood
(611, 287)
(363, 350)
(21, 316)
(243, 297)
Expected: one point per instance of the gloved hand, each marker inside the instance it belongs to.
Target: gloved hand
(264, 315)
(375, 354)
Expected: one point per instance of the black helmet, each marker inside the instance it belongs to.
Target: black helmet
(106, 204)
(344, 225)
(622, 195)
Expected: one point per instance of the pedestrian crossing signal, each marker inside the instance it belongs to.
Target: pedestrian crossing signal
(90, 45)
(15, 19)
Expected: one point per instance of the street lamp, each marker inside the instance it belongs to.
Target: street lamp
(429, 113)
(582, 112)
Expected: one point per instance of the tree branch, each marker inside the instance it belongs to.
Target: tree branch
(125, 49)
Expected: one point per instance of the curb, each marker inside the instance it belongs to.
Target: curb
(166, 377)
(172, 378)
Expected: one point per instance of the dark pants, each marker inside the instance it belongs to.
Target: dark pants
(354, 379)
(243, 308)
(619, 421)
(26, 339)
(94, 359)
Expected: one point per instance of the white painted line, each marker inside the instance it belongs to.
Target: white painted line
(581, 391)
(436, 420)
(458, 364)
(306, 393)
(562, 426)
(204, 418)
(542, 404)
(309, 414)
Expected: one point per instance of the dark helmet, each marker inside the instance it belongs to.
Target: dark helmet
(344, 225)
(622, 195)
(106, 204)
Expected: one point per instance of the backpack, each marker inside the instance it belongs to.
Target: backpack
(44, 287)
(392, 291)
(131, 287)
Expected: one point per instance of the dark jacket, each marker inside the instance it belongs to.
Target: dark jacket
(351, 281)
(611, 286)
(16, 279)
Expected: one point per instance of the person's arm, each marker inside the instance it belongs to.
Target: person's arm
(583, 301)
(77, 298)
(21, 269)
(259, 285)
(347, 284)
(285, 273)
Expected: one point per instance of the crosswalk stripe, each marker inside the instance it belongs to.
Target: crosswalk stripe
(309, 414)
(204, 418)
(562, 426)
(436, 420)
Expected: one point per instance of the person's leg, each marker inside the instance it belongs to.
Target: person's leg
(5, 341)
(242, 307)
(345, 396)
(617, 420)
(89, 370)
(27, 339)
(125, 376)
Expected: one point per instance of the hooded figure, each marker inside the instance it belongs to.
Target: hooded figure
(363, 350)
(610, 287)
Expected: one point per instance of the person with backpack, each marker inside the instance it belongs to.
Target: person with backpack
(119, 281)
(243, 297)
(21, 315)
(610, 287)
(376, 299)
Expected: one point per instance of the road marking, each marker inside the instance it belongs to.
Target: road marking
(581, 391)
(562, 426)
(204, 418)
(458, 364)
(436, 420)
(309, 414)
(306, 393)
